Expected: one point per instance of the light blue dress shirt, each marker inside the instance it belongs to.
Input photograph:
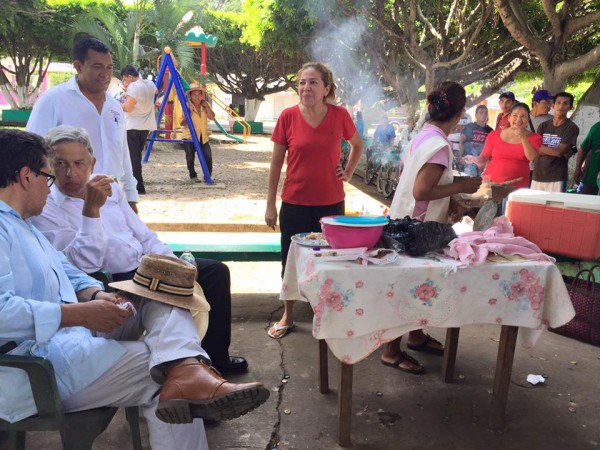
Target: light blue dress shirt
(35, 279)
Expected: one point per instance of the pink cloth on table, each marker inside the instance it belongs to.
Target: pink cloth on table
(473, 248)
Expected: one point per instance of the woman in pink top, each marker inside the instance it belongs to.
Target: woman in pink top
(310, 135)
(507, 152)
(423, 193)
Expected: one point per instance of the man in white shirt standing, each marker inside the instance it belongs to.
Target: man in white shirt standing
(138, 104)
(84, 102)
(90, 222)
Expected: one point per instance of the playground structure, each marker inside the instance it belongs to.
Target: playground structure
(196, 38)
(169, 77)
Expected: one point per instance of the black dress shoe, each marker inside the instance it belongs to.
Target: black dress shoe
(235, 364)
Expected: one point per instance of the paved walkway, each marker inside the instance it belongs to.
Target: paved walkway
(391, 409)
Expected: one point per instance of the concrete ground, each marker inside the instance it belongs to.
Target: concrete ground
(391, 409)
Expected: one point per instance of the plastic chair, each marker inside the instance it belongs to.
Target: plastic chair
(78, 430)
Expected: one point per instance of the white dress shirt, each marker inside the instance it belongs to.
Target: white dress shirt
(116, 241)
(65, 104)
(35, 280)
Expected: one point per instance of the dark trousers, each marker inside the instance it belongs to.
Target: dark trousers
(215, 280)
(294, 219)
(136, 141)
(190, 157)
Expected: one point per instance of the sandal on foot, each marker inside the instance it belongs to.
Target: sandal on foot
(277, 331)
(419, 369)
(425, 347)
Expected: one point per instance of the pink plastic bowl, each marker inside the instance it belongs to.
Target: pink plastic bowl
(339, 236)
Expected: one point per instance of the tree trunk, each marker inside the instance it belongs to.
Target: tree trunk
(6, 92)
(587, 112)
(552, 82)
(252, 106)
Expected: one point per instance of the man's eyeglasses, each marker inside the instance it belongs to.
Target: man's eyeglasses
(49, 178)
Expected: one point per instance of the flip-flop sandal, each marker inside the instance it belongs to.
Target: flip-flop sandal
(418, 370)
(277, 331)
(424, 347)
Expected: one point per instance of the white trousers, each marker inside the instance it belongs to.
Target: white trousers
(550, 186)
(135, 380)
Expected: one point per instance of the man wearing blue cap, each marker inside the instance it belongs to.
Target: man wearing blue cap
(540, 108)
(506, 102)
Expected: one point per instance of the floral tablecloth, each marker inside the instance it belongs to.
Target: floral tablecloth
(358, 308)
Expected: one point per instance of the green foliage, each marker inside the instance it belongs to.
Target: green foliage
(32, 32)
(55, 78)
(241, 68)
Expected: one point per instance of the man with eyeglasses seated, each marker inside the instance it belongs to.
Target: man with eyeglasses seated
(51, 309)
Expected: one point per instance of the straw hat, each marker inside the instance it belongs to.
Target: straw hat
(195, 87)
(169, 280)
(166, 279)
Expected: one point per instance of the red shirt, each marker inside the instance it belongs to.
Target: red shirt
(313, 155)
(508, 161)
(502, 121)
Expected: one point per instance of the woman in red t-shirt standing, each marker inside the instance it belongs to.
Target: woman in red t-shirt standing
(507, 152)
(311, 134)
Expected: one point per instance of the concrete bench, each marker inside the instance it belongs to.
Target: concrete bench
(232, 246)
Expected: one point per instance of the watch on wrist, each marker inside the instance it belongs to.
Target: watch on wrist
(93, 297)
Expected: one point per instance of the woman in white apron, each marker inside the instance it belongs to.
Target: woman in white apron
(423, 193)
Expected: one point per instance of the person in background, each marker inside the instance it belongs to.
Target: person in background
(86, 218)
(409, 132)
(589, 151)
(310, 135)
(472, 139)
(138, 104)
(423, 193)
(454, 138)
(406, 136)
(84, 102)
(384, 133)
(559, 136)
(201, 113)
(540, 108)
(507, 152)
(103, 353)
(359, 123)
(506, 102)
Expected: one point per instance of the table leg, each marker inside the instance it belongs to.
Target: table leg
(504, 363)
(451, 347)
(323, 368)
(345, 405)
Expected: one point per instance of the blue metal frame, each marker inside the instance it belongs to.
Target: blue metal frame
(175, 80)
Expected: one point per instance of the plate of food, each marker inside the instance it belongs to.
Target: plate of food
(340, 254)
(312, 239)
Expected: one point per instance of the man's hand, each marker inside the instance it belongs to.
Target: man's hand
(96, 315)
(133, 206)
(112, 297)
(95, 193)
